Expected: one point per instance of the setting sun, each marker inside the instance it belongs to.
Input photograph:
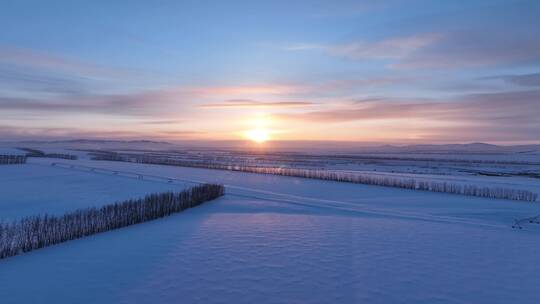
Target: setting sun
(258, 135)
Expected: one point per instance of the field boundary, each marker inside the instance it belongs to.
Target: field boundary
(34, 232)
(366, 179)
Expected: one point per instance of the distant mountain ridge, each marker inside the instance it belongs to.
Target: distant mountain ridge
(290, 146)
(96, 141)
(463, 148)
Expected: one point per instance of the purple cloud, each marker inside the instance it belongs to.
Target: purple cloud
(525, 80)
(479, 116)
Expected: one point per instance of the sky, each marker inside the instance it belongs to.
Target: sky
(363, 71)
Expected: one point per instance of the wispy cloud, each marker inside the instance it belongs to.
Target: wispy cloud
(509, 117)
(148, 103)
(163, 122)
(42, 60)
(507, 106)
(473, 48)
(9, 132)
(392, 48)
(449, 49)
(526, 80)
(268, 89)
(26, 72)
(249, 103)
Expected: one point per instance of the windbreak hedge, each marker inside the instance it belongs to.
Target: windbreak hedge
(12, 159)
(357, 178)
(35, 232)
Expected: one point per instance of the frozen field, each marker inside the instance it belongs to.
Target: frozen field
(272, 239)
(37, 188)
(10, 151)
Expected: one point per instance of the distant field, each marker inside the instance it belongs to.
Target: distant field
(300, 238)
(40, 188)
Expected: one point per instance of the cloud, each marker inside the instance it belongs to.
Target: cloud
(270, 89)
(472, 107)
(494, 117)
(248, 103)
(30, 72)
(473, 48)
(446, 49)
(526, 80)
(393, 48)
(296, 89)
(36, 81)
(163, 122)
(8, 132)
(148, 103)
(41, 60)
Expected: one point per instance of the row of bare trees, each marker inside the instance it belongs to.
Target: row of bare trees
(406, 183)
(38, 153)
(387, 181)
(35, 232)
(12, 159)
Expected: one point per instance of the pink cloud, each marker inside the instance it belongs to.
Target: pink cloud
(517, 110)
(270, 89)
(248, 103)
(18, 133)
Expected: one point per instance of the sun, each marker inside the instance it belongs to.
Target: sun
(258, 135)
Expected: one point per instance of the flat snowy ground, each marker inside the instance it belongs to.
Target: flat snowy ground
(40, 188)
(277, 239)
(11, 151)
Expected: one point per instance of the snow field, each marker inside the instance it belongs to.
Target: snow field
(272, 239)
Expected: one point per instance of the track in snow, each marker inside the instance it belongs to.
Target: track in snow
(244, 192)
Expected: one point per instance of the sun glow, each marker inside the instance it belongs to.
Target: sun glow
(258, 127)
(258, 135)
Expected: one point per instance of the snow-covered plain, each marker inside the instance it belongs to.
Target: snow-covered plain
(272, 239)
(11, 151)
(38, 188)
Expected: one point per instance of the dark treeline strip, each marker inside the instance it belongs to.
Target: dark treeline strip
(38, 153)
(12, 159)
(35, 232)
(397, 182)
(417, 159)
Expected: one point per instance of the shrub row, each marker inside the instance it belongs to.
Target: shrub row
(12, 159)
(398, 182)
(35, 232)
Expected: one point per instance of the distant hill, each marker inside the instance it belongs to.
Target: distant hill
(91, 144)
(455, 148)
(284, 146)
(97, 141)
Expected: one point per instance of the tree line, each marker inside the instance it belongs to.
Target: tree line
(12, 159)
(387, 181)
(38, 153)
(39, 231)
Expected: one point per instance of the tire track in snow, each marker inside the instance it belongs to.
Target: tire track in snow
(285, 198)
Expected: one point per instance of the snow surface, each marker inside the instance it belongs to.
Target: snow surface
(32, 189)
(11, 151)
(275, 239)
